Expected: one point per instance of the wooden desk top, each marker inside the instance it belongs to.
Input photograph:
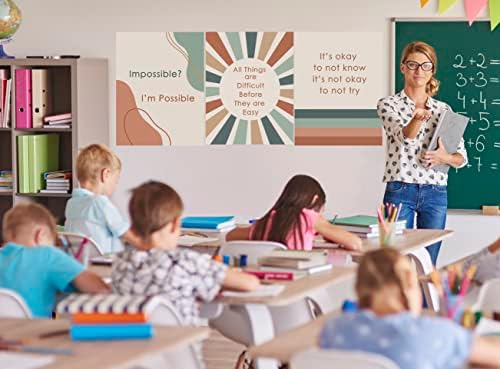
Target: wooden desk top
(295, 290)
(284, 346)
(102, 354)
(411, 239)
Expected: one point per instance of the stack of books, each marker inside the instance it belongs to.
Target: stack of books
(291, 264)
(107, 317)
(209, 224)
(57, 182)
(5, 91)
(57, 121)
(365, 226)
(37, 154)
(5, 181)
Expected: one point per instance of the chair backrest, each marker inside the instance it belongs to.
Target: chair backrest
(489, 296)
(253, 249)
(162, 312)
(12, 305)
(327, 359)
(423, 264)
(79, 246)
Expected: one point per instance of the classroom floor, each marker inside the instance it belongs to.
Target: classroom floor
(219, 352)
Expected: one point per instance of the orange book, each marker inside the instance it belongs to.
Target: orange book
(96, 318)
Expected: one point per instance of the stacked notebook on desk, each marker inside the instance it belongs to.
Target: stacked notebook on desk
(365, 226)
(108, 317)
(291, 264)
(211, 224)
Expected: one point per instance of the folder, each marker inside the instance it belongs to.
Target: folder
(41, 105)
(22, 164)
(43, 156)
(3, 92)
(6, 107)
(23, 98)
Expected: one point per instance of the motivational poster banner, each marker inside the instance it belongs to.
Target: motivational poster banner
(248, 88)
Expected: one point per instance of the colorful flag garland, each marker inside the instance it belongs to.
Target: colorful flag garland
(472, 9)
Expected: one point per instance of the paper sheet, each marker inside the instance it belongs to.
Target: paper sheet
(24, 361)
(263, 290)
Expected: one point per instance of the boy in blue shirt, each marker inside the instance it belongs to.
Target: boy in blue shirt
(90, 211)
(32, 267)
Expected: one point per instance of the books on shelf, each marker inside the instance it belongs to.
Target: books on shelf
(57, 121)
(365, 225)
(37, 154)
(108, 317)
(209, 222)
(5, 92)
(57, 181)
(6, 181)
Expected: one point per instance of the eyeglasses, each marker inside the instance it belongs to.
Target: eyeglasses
(413, 65)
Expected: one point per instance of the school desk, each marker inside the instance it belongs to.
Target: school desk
(102, 354)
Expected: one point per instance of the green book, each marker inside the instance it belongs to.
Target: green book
(357, 221)
(22, 164)
(43, 155)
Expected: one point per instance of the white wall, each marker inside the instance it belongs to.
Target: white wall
(240, 180)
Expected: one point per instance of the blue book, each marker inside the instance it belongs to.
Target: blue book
(91, 332)
(208, 222)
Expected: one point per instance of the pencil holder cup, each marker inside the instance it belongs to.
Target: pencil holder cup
(386, 234)
(455, 307)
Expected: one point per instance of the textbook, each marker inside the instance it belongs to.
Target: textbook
(294, 259)
(298, 273)
(107, 318)
(365, 224)
(208, 222)
(270, 275)
(90, 332)
(450, 128)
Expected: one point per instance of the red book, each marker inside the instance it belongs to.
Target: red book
(96, 318)
(278, 276)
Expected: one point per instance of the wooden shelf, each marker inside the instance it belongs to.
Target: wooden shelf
(44, 194)
(44, 130)
(4, 129)
(5, 193)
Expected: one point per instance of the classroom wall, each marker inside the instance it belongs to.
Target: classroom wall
(239, 180)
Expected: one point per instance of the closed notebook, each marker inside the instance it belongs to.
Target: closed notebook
(43, 155)
(450, 129)
(41, 96)
(208, 222)
(23, 164)
(23, 98)
(90, 332)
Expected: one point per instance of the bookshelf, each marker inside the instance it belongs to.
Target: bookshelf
(79, 86)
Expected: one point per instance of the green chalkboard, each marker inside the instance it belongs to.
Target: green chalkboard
(469, 71)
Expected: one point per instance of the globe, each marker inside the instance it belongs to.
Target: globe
(10, 20)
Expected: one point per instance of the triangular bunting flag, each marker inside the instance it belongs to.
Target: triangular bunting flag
(444, 5)
(473, 8)
(423, 3)
(494, 13)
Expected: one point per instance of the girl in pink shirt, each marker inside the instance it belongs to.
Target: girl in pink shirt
(296, 218)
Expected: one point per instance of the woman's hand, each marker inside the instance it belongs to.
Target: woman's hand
(422, 114)
(438, 156)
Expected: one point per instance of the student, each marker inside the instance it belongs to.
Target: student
(389, 322)
(295, 219)
(156, 266)
(89, 211)
(32, 267)
(488, 261)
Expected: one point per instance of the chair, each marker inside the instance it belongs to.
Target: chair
(234, 321)
(423, 264)
(489, 296)
(81, 247)
(328, 359)
(161, 312)
(12, 305)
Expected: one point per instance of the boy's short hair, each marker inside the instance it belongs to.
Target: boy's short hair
(24, 217)
(94, 158)
(152, 206)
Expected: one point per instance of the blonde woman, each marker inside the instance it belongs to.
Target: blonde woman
(409, 120)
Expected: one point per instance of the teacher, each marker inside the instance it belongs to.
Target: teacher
(409, 119)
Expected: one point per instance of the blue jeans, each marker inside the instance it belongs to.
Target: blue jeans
(428, 202)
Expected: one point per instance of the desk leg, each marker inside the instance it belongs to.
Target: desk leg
(261, 329)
